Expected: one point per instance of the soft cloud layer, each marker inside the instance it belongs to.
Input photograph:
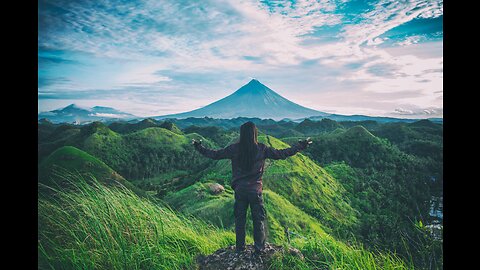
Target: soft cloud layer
(158, 57)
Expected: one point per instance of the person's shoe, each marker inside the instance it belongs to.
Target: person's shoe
(239, 250)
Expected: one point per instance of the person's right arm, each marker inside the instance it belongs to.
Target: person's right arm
(273, 153)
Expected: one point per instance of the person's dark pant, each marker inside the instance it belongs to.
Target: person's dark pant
(242, 200)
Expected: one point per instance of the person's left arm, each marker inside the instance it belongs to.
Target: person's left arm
(213, 154)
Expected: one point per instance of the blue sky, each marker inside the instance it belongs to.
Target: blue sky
(151, 57)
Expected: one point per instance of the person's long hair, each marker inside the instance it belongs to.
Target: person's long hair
(248, 145)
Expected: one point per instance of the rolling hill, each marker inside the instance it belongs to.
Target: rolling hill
(355, 183)
(69, 163)
(300, 181)
(140, 154)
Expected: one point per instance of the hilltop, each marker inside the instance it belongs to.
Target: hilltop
(68, 162)
(112, 228)
(227, 258)
(139, 154)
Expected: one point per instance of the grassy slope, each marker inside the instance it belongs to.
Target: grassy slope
(68, 160)
(75, 160)
(387, 186)
(96, 227)
(146, 153)
(309, 187)
(197, 200)
(299, 180)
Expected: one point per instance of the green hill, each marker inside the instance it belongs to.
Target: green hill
(361, 184)
(389, 188)
(125, 127)
(143, 154)
(357, 146)
(308, 186)
(309, 127)
(70, 161)
(217, 134)
(51, 137)
(75, 160)
(422, 138)
(199, 201)
(99, 227)
(302, 182)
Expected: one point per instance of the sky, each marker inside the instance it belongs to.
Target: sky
(153, 57)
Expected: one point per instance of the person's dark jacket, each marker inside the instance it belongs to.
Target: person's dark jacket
(250, 180)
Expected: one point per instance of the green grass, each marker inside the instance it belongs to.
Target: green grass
(72, 159)
(306, 233)
(282, 214)
(68, 160)
(325, 253)
(302, 182)
(197, 201)
(144, 154)
(99, 227)
(309, 187)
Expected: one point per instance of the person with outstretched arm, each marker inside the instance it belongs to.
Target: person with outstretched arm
(248, 160)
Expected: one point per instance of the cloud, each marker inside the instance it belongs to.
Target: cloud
(429, 112)
(389, 14)
(110, 115)
(179, 55)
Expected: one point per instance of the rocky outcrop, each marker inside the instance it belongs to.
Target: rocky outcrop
(215, 188)
(229, 259)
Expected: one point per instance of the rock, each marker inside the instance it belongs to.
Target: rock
(228, 259)
(216, 188)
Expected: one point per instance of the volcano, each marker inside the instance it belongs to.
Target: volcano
(252, 100)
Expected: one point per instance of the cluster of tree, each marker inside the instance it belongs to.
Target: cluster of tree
(135, 155)
(217, 134)
(390, 171)
(392, 189)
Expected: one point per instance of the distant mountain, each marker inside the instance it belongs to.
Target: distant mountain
(251, 100)
(78, 115)
(255, 100)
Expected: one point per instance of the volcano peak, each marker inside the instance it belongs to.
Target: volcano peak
(253, 99)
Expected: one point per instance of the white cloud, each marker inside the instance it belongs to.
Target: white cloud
(411, 40)
(109, 115)
(403, 111)
(217, 36)
(387, 15)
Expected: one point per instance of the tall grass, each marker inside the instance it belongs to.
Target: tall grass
(91, 226)
(327, 253)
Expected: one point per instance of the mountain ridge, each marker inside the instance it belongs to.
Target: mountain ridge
(252, 100)
(80, 115)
